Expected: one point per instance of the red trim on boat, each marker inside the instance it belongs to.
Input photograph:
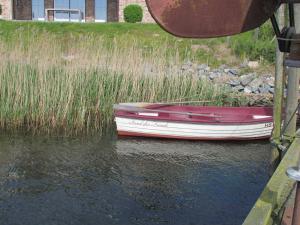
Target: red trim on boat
(215, 115)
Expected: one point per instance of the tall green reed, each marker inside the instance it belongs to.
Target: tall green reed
(53, 85)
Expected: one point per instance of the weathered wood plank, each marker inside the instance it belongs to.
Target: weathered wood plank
(267, 208)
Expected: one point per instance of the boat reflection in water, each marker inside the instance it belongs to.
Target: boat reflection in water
(186, 182)
(128, 181)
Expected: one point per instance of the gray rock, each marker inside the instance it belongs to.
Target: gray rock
(190, 70)
(213, 75)
(187, 65)
(201, 73)
(271, 90)
(234, 72)
(217, 71)
(204, 78)
(238, 88)
(246, 79)
(203, 67)
(255, 84)
(233, 83)
(248, 90)
(264, 89)
(270, 81)
(222, 79)
(223, 67)
(226, 70)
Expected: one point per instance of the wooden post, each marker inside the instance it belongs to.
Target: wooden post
(292, 91)
(278, 95)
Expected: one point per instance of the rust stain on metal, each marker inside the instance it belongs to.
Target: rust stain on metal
(210, 18)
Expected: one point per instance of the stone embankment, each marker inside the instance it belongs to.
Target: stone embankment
(233, 77)
(260, 86)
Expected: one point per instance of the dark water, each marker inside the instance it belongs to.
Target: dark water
(47, 181)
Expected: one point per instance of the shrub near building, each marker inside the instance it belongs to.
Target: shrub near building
(133, 13)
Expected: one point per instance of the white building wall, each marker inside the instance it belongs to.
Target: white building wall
(6, 9)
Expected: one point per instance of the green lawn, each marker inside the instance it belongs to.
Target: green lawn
(149, 37)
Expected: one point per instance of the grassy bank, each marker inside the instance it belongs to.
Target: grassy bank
(62, 78)
(146, 37)
(150, 37)
(255, 46)
(48, 86)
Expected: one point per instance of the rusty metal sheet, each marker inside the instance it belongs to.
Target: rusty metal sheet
(210, 18)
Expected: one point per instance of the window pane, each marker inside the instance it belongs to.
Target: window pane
(38, 11)
(61, 15)
(77, 4)
(69, 4)
(101, 10)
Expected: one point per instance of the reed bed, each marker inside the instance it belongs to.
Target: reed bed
(49, 84)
